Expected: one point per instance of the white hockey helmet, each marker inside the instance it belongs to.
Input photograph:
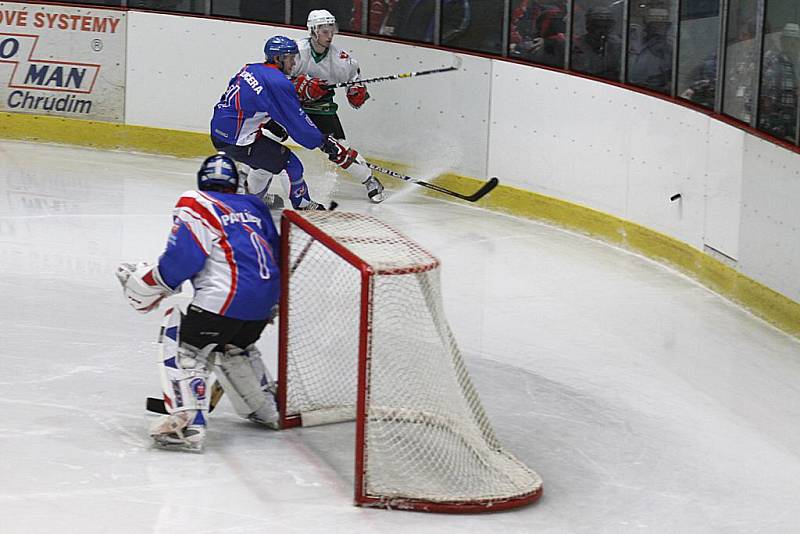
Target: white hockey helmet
(321, 17)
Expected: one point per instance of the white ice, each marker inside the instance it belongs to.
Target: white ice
(646, 402)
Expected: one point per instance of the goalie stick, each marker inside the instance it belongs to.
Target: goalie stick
(157, 405)
(412, 74)
(474, 197)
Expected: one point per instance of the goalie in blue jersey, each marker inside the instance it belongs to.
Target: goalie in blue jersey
(227, 245)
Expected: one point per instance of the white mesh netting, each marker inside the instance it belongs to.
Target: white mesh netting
(427, 438)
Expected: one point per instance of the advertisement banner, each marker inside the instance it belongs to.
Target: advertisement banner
(64, 61)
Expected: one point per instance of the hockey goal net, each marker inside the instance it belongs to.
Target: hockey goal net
(363, 338)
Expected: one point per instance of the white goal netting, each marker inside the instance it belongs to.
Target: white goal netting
(363, 323)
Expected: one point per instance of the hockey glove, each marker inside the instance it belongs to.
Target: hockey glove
(273, 130)
(338, 153)
(357, 95)
(142, 285)
(309, 89)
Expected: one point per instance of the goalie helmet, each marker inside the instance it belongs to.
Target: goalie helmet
(321, 17)
(218, 173)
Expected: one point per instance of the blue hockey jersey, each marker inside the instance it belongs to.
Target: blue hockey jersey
(228, 246)
(255, 94)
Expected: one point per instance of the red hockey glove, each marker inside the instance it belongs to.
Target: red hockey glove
(309, 89)
(357, 95)
(338, 153)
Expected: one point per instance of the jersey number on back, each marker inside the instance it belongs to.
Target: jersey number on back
(228, 96)
(263, 255)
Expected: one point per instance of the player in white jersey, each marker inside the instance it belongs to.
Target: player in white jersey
(319, 63)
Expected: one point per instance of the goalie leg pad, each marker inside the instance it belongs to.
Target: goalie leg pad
(248, 384)
(186, 376)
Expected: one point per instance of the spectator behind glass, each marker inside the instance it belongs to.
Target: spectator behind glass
(414, 20)
(538, 33)
(598, 51)
(703, 86)
(405, 19)
(473, 25)
(525, 38)
(778, 96)
(651, 56)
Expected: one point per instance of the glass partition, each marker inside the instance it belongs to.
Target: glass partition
(180, 6)
(410, 20)
(537, 31)
(698, 51)
(596, 38)
(250, 10)
(651, 44)
(741, 49)
(780, 66)
(341, 9)
(473, 25)
(111, 3)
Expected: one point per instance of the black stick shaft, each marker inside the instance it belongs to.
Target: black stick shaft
(477, 195)
(391, 77)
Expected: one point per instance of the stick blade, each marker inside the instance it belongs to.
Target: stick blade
(484, 190)
(156, 405)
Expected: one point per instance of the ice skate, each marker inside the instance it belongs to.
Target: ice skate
(273, 201)
(312, 206)
(374, 190)
(174, 431)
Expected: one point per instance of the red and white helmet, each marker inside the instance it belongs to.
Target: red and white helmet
(321, 17)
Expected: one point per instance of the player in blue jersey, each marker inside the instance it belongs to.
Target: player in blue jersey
(227, 245)
(258, 111)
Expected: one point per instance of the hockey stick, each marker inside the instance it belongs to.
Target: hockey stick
(412, 74)
(474, 197)
(157, 405)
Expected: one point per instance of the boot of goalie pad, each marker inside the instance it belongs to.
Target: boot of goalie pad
(247, 383)
(142, 285)
(185, 378)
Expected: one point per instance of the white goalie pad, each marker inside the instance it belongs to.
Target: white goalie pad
(247, 383)
(184, 369)
(142, 285)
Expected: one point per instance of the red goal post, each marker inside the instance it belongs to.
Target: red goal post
(363, 338)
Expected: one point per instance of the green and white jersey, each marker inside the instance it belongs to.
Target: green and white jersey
(333, 65)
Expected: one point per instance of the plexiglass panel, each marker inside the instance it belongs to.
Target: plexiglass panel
(651, 44)
(410, 20)
(740, 60)
(780, 66)
(341, 9)
(698, 56)
(596, 38)
(261, 10)
(537, 31)
(179, 6)
(473, 25)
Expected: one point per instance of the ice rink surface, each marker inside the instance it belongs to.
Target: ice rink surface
(646, 402)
